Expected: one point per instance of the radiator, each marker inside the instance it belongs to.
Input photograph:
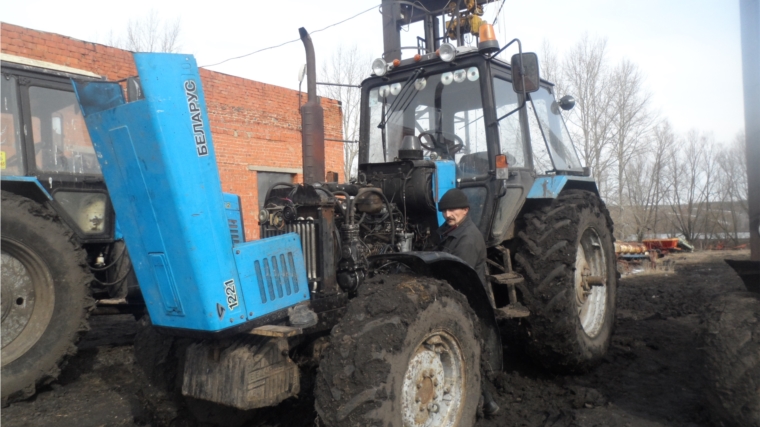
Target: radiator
(307, 230)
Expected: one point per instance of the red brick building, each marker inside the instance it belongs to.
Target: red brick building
(256, 127)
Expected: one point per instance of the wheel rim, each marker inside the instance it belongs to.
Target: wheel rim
(28, 300)
(433, 387)
(591, 298)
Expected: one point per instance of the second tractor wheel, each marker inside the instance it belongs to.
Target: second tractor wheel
(567, 257)
(45, 296)
(406, 353)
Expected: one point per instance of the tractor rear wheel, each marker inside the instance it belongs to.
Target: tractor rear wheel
(732, 347)
(45, 296)
(567, 257)
(406, 353)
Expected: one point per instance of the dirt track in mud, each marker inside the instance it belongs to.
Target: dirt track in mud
(651, 377)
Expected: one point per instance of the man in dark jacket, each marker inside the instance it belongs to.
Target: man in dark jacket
(460, 236)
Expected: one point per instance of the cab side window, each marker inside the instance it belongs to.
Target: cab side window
(61, 140)
(11, 154)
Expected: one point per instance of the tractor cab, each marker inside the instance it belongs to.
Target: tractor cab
(462, 106)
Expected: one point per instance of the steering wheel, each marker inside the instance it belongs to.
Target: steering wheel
(448, 147)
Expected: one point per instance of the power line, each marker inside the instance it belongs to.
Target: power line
(496, 18)
(291, 41)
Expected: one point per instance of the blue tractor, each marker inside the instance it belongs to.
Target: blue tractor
(60, 243)
(345, 273)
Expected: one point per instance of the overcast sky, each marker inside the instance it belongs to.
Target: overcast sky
(689, 50)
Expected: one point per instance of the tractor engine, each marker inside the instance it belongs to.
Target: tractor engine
(390, 208)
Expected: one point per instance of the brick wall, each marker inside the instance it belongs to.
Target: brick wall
(252, 123)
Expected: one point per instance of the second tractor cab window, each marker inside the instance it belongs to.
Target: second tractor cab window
(11, 154)
(61, 141)
(444, 110)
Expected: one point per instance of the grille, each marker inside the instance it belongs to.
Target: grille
(308, 232)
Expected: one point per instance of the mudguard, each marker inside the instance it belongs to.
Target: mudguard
(27, 186)
(464, 279)
(549, 187)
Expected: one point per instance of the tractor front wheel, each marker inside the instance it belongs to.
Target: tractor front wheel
(406, 353)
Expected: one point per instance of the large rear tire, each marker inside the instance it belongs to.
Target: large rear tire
(567, 257)
(406, 353)
(45, 296)
(732, 347)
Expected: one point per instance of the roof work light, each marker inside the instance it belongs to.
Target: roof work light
(447, 52)
(379, 67)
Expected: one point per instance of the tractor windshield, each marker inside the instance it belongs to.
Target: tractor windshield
(445, 110)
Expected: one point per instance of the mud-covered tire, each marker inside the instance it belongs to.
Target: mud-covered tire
(732, 349)
(377, 364)
(45, 295)
(568, 330)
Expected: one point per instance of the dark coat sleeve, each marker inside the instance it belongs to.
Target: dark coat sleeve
(471, 247)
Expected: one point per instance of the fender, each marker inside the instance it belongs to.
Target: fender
(27, 186)
(464, 279)
(549, 187)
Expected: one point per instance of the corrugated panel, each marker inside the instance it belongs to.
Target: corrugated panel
(273, 275)
(276, 276)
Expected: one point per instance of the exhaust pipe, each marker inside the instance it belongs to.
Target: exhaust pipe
(312, 120)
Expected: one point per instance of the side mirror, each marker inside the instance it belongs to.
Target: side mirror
(529, 62)
(567, 102)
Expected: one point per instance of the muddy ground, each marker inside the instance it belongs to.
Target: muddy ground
(651, 377)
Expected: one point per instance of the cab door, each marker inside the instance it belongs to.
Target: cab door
(513, 139)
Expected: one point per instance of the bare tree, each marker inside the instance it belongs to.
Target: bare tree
(149, 34)
(586, 75)
(646, 182)
(551, 66)
(632, 121)
(347, 66)
(638, 162)
(690, 176)
(732, 189)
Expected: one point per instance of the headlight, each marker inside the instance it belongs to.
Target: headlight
(447, 52)
(379, 67)
(88, 210)
(473, 74)
(460, 75)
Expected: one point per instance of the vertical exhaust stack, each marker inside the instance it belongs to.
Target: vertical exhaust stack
(312, 120)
